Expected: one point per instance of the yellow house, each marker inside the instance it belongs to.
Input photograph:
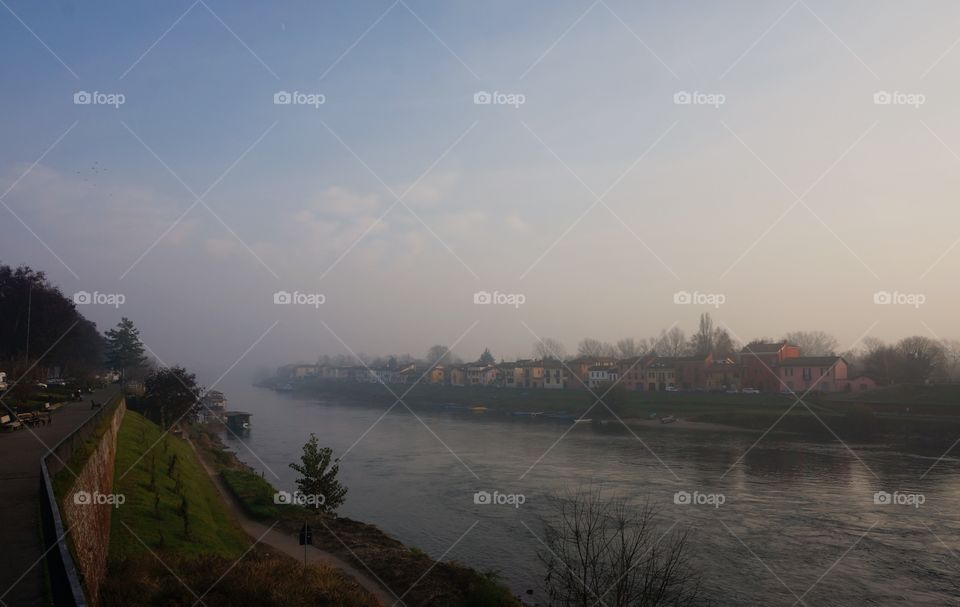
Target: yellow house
(437, 375)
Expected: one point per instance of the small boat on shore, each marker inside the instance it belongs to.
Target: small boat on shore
(478, 409)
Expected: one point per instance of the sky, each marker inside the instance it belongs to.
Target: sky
(788, 165)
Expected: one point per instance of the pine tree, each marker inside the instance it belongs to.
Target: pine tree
(124, 348)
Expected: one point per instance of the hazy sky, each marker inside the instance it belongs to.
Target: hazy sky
(783, 186)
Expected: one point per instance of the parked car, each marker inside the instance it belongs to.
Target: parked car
(750, 391)
(672, 388)
(40, 384)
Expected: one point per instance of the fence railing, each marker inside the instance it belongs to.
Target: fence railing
(66, 581)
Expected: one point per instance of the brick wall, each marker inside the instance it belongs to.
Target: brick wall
(87, 522)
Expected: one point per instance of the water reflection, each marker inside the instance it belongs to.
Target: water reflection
(791, 507)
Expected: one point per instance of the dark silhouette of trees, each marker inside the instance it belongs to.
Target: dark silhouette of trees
(37, 320)
(170, 394)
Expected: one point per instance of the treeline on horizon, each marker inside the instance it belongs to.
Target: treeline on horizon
(913, 359)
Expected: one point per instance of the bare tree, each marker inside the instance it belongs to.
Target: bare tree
(594, 348)
(813, 343)
(549, 348)
(602, 551)
(629, 347)
(724, 345)
(672, 343)
(923, 358)
(951, 356)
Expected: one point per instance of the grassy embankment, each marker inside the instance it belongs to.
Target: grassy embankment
(154, 559)
(927, 414)
(408, 572)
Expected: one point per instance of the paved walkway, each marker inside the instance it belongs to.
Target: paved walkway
(290, 544)
(21, 569)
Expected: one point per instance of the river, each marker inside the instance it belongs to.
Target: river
(799, 520)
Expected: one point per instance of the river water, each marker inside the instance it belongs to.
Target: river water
(798, 519)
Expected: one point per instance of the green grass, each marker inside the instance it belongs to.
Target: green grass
(213, 530)
(256, 495)
(907, 394)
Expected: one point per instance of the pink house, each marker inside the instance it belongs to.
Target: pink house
(813, 373)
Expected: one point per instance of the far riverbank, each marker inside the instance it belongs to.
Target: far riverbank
(817, 417)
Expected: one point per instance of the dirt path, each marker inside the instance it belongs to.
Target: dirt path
(290, 545)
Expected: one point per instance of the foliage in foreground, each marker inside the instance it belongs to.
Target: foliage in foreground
(259, 579)
(318, 478)
(601, 550)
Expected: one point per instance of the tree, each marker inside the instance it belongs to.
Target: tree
(701, 342)
(486, 358)
(951, 359)
(672, 343)
(440, 355)
(594, 348)
(880, 361)
(124, 348)
(922, 359)
(316, 482)
(601, 551)
(36, 319)
(813, 343)
(549, 349)
(629, 347)
(724, 346)
(170, 394)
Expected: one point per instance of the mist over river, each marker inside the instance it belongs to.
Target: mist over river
(799, 520)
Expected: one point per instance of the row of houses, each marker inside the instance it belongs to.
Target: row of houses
(764, 367)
